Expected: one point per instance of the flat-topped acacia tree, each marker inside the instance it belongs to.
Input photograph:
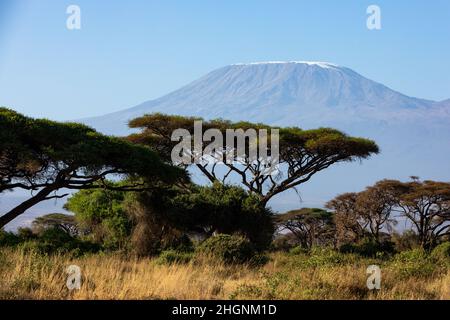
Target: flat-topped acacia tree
(302, 153)
(45, 156)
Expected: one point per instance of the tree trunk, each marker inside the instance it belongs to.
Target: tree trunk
(24, 206)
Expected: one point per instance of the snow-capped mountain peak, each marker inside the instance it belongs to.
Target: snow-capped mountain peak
(310, 63)
(301, 93)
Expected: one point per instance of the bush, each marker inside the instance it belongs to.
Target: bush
(368, 248)
(258, 260)
(25, 234)
(414, 263)
(442, 253)
(174, 256)
(284, 242)
(298, 251)
(226, 209)
(101, 213)
(8, 239)
(228, 248)
(407, 240)
(55, 240)
(323, 257)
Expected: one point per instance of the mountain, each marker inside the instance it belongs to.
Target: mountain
(285, 93)
(413, 133)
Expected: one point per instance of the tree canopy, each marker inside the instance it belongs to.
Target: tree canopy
(311, 226)
(426, 204)
(203, 210)
(45, 156)
(302, 153)
(62, 221)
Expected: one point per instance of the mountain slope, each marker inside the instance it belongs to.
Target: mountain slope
(285, 93)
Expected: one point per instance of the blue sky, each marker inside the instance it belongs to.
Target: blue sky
(129, 52)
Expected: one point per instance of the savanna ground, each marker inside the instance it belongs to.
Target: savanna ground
(321, 274)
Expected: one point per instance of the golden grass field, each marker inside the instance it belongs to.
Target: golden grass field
(29, 275)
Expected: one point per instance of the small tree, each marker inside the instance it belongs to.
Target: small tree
(65, 222)
(350, 227)
(44, 156)
(427, 205)
(310, 226)
(163, 216)
(101, 214)
(375, 205)
(302, 153)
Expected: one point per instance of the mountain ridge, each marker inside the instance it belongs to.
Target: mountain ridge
(303, 90)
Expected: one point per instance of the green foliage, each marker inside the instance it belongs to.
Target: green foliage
(367, 247)
(310, 226)
(174, 256)
(228, 248)
(44, 155)
(407, 240)
(320, 257)
(298, 250)
(25, 234)
(284, 242)
(8, 239)
(442, 253)
(414, 263)
(37, 142)
(224, 209)
(303, 152)
(55, 220)
(55, 240)
(102, 213)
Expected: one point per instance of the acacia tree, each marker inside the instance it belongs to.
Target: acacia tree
(65, 222)
(302, 153)
(45, 156)
(350, 227)
(365, 213)
(427, 205)
(202, 210)
(375, 206)
(310, 226)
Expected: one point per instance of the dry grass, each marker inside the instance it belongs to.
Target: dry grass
(27, 275)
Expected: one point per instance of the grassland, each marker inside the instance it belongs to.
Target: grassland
(324, 274)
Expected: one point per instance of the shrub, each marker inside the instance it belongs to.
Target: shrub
(101, 213)
(55, 240)
(174, 256)
(259, 260)
(414, 263)
(228, 248)
(25, 234)
(8, 239)
(368, 248)
(407, 240)
(226, 209)
(442, 253)
(298, 250)
(284, 242)
(323, 257)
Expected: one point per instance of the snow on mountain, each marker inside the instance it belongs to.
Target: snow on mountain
(306, 94)
(413, 133)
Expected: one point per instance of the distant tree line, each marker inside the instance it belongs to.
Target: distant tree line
(131, 197)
